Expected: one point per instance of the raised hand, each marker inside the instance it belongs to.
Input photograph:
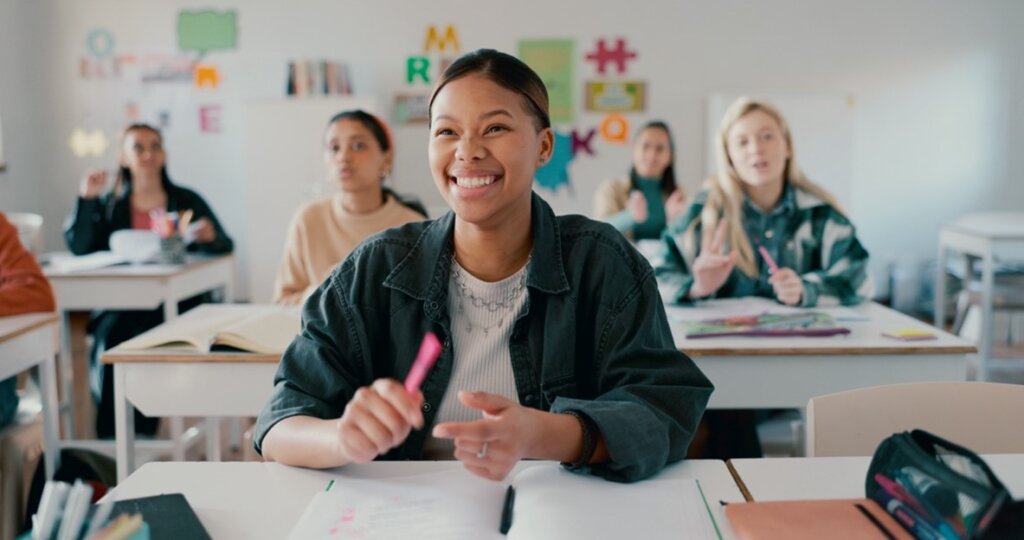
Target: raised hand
(93, 184)
(711, 268)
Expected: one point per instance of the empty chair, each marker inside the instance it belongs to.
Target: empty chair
(30, 230)
(981, 416)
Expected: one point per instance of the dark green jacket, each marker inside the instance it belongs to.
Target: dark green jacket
(594, 338)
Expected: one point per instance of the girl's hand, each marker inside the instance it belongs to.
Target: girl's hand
(711, 268)
(378, 418)
(93, 184)
(788, 286)
(675, 205)
(491, 447)
(637, 206)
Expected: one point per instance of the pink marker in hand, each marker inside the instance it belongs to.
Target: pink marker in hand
(768, 259)
(430, 349)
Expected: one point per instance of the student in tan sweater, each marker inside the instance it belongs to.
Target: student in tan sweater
(359, 155)
(23, 289)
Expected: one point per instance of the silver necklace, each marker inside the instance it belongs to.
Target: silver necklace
(506, 305)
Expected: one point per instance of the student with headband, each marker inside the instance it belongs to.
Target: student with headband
(359, 156)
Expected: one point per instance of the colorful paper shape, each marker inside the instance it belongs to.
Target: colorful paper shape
(209, 118)
(604, 56)
(616, 96)
(85, 144)
(555, 173)
(207, 76)
(412, 108)
(99, 69)
(553, 60)
(206, 31)
(582, 143)
(164, 119)
(433, 40)
(417, 66)
(615, 129)
(100, 43)
(162, 68)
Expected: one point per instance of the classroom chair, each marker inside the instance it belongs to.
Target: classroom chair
(30, 230)
(984, 417)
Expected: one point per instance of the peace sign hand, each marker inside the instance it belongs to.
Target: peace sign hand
(712, 268)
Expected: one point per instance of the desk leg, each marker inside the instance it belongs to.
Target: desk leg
(940, 287)
(177, 437)
(51, 411)
(66, 411)
(212, 438)
(124, 425)
(987, 287)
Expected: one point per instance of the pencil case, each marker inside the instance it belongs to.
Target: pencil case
(937, 489)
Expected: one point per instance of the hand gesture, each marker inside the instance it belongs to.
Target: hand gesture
(711, 268)
(202, 231)
(378, 418)
(637, 206)
(491, 446)
(93, 184)
(675, 205)
(788, 286)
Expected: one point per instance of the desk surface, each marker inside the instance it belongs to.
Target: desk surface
(130, 271)
(189, 355)
(994, 225)
(265, 500)
(777, 479)
(16, 325)
(865, 337)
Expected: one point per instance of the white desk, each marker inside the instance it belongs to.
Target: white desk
(781, 479)
(134, 287)
(27, 341)
(265, 500)
(989, 236)
(176, 382)
(785, 372)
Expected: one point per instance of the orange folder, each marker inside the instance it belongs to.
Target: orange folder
(836, 519)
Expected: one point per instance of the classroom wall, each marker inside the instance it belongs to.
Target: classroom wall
(936, 88)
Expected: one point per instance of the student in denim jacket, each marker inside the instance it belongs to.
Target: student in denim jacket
(555, 341)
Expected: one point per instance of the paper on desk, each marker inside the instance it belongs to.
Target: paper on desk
(753, 305)
(66, 262)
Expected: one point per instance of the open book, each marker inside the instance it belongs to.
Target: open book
(550, 503)
(809, 323)
(266, 330)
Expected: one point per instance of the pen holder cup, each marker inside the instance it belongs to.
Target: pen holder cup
(172, 250)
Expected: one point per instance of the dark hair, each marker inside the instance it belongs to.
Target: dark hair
(506, 71)
(123, 182)
(668, 178)
(376, 126)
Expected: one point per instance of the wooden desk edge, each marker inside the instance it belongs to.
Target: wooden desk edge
(829, 351)
(50, 319)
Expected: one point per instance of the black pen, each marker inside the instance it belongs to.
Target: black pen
(506, 511)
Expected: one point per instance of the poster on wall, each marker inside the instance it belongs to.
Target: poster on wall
(616, 96)
(3, 164)
(552, 59)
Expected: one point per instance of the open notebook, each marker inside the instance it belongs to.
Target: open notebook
(550, 503)
(266, 330)
(809, 323)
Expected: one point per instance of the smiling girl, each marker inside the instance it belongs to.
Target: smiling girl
(555, 342)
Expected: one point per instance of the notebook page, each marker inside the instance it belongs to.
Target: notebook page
(555, 504)
(196, 332)
(450, 505)
(269, 331)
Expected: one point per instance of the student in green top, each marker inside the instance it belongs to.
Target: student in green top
(640, 205)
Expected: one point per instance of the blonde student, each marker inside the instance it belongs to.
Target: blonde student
(641, 204)
(555, 344)
(759, 227)
(359, 155)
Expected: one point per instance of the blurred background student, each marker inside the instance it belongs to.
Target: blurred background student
(359, 156)
(141, 187)
(642, 204)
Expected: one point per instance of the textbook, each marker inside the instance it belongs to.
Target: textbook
(837, 519)
(809, 323)
(549, 503)
(266, 330)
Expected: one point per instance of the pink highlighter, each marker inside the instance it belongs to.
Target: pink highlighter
(768, 259)
(430, 349)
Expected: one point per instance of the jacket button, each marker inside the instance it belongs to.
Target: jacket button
(427, 407)
(529, 399)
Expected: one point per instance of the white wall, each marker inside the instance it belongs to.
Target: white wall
(938, 131)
